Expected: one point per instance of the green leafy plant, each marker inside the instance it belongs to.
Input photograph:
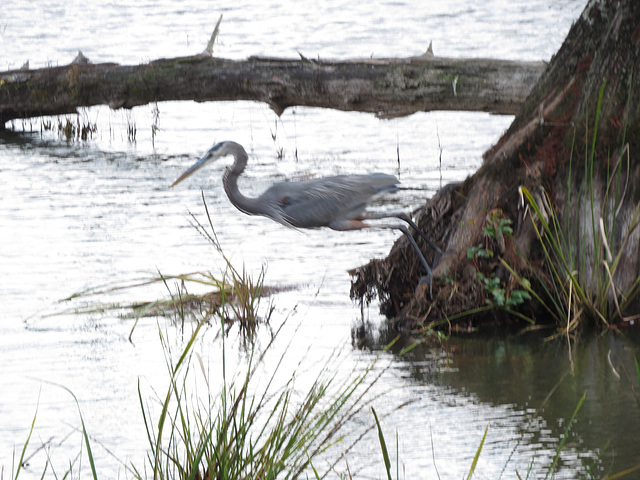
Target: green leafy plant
(499, 296)
(478, 251)
(496, 228)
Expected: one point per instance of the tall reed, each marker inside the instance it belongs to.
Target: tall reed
(246, 430)
(583, 258)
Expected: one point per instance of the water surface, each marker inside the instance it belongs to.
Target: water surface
(76, 215)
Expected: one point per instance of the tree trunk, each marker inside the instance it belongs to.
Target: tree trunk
(574, 147)
(386, 87)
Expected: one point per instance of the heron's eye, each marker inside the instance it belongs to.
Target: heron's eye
(284, 201)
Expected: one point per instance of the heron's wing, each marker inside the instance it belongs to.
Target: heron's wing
(318, 202)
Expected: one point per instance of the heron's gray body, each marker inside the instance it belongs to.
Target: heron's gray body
(325, 202)
(338, 202)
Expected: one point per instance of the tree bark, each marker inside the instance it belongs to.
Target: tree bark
(386, 87)
(574, 145)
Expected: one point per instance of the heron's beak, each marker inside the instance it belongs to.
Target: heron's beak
(193, 168)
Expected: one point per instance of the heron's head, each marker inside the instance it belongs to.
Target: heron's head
(217, 151)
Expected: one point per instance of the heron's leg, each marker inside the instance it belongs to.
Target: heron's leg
(436, 249)
(344, 224)
(429, 276)
(407, 218)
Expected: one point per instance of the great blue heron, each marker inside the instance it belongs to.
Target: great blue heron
(337, 202)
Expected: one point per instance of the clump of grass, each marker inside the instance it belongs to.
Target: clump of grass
(250, 429)
(242, 432)
(240, 291)
(180, 304)
(582, 264)
(241, 294)
(69, 130)
(570, 296)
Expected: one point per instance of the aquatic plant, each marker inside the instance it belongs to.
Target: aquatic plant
(240, 291)
(496, 231)
(241, 432)
(581, 284)
(570, 296)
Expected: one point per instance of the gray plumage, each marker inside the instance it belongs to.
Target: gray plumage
(337, 202)
(330, 201)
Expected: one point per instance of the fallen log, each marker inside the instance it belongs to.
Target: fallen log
(386, 87)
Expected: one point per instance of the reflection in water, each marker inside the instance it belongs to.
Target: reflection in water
(538, 385)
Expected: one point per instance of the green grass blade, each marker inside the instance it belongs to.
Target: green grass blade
(477, 455)
(85, 435)
(397, 456)
(565, 436)
(383, 445)
(623, 473)
(26, 444)
(315, 472)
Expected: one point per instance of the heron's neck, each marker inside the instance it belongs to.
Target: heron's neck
(250, 206)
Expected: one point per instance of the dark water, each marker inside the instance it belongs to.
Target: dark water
(76, 215)
(543, 382)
